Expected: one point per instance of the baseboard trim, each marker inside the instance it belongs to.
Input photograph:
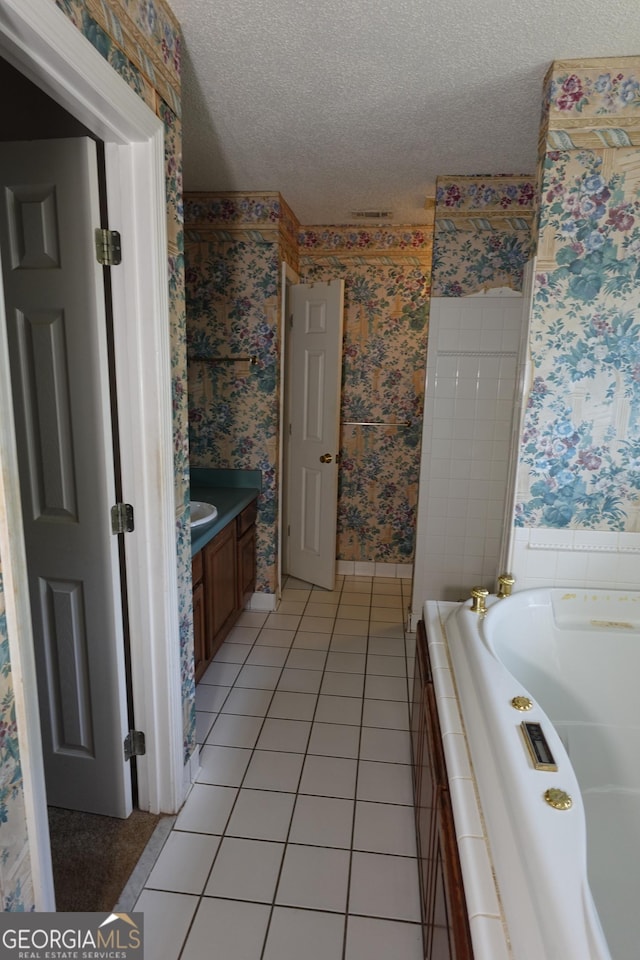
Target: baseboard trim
(262, 603)
(370, 568)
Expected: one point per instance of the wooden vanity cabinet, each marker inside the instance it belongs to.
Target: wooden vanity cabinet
(224, 577)
(221, 588)
(444, 914)
(246, 553)
(197, 572)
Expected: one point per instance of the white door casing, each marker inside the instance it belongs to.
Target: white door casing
(40, 41)
(56, 323)
(315, 379)
(288, 276)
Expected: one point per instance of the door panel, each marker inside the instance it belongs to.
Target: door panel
(62, 612)
(315, 374)
(40, 367)
(56, 325)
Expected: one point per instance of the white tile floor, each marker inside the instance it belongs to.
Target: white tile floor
(298, 840)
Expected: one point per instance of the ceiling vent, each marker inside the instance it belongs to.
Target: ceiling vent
(372, 214)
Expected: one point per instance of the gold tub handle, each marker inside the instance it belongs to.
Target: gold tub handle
(479, 599)
(505, 585)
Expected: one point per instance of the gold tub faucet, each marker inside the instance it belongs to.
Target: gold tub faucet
(479, 600)
(505, 585)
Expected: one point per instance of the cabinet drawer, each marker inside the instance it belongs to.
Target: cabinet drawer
(247, 518)
(196, 568)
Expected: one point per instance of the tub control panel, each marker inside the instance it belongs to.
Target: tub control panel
(538, 747)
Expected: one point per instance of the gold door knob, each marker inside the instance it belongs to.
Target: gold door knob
(326, 458)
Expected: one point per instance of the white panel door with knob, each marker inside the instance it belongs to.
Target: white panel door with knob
(55, 314)
(315, 377)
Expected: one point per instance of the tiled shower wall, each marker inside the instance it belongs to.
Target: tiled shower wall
(472, 369)
(482, 242)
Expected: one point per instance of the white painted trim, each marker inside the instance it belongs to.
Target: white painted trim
(37, 38)
(288, 276)
(374, 568)
(262, 603)
(18, 613)
(524, 371)
(135, 182)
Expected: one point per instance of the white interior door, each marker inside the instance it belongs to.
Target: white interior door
(315, 375)
(55, 314)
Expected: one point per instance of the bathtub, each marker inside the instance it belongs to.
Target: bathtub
(567, 879)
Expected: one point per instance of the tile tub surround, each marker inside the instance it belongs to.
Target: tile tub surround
(298, 837)
(489, 933)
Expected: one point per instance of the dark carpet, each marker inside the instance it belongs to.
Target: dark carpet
(94, 856)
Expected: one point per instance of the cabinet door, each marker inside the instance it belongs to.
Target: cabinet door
(220, 576)
(246, 566)
(417, 702)
(200, 662)
(427, 814)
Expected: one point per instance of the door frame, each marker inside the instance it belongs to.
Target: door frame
(44, 45)
(288, 277)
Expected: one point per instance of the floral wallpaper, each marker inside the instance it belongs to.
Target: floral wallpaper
(387, 278)
(482, 233)
(235, 244)
(141, 41)
(16, 887)
(487, 195)
(591, 103)
(580, 450)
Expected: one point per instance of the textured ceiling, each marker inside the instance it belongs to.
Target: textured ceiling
(345, 105)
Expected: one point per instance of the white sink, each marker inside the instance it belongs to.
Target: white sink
(202, 513)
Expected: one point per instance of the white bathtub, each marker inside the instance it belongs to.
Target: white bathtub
(563, 876)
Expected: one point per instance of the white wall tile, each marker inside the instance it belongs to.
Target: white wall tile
(480, 892)
(488, 938)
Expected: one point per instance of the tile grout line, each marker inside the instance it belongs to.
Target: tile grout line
(238, 789)
(313, 721)
(355, 793)
(297, 792)
(222, 836)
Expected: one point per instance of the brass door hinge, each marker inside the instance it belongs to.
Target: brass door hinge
(122, 518)
(108, 248)
(134, 744)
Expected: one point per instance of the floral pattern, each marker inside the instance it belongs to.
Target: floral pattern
(482, 234)
(488, 194)
(15, 872)
(384, 352)
(218, 209)
(580, 451)
(233, 296)
(597, 91)
(233, 293)
(135, 37)
(377, 240)
(465, 262)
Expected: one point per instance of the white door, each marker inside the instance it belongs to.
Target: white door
(55, 309)
(315, 375)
